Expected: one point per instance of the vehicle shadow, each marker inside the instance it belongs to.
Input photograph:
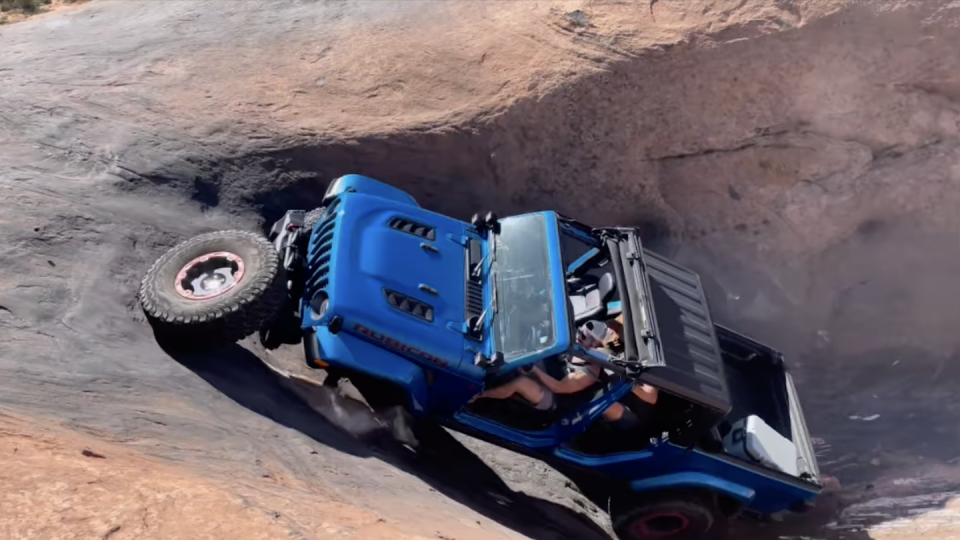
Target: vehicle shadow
(239, 375)
(445, 464)
(817, 524)
(442, 462)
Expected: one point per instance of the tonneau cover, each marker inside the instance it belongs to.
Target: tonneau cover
(682, 354)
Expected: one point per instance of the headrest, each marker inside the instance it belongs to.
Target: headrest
(606, 285)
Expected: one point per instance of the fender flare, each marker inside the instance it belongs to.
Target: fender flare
(323, 349)
(695, 480)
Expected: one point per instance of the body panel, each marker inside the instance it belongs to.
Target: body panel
(695, 480)
(362, 184)
(349, 352)
(373, 262)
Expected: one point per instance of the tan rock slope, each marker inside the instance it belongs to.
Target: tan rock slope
(802, 155)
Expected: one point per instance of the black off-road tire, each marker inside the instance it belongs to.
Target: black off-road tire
(183, 324)
(656, 515)
(284, 329)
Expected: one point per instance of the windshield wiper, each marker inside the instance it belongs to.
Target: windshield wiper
(479, 269)
(492, 253)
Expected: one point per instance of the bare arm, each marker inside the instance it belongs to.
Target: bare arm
(571, 384)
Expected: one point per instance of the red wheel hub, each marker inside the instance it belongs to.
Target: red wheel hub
(660, 525)
(209, 276)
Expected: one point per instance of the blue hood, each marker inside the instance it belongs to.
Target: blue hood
(395, 274)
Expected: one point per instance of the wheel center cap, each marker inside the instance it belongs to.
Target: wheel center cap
(209, 275)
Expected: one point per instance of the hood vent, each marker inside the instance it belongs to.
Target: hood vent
(409, 305)
(412, 227)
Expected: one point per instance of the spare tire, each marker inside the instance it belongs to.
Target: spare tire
(213, 290)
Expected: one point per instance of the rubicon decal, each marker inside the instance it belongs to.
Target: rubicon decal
(399, 346)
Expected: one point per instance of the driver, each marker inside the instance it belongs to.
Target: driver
(582, 375)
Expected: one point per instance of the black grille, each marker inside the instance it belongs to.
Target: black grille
(318, 258)
(474, 302)
(473, 296)
(409, 305)
(414, 228)
(332, 209)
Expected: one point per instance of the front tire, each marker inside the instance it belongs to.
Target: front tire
(213, 290)
(677, 516)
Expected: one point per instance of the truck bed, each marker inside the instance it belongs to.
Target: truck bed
(756, 380)
(760, 384)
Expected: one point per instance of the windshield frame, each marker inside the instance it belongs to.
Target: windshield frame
(558, 295)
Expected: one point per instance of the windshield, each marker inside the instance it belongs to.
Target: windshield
(523, 323)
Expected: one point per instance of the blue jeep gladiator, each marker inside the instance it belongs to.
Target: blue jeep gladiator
(423, 310)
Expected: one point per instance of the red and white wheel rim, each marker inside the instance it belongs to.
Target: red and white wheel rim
(209, 276)
(660, 525)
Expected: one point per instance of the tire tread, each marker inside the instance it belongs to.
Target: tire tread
(224, 324)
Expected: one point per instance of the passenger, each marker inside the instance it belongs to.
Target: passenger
(524, 386)
(540, 389)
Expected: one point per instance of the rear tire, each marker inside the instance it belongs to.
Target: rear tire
(188, 311)
(673, 516)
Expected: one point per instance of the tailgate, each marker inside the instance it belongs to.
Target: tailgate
(807, 460)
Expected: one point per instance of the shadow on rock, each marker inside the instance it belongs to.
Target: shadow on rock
(460, 474)
(348, 425)
(820, 523)
(241, 376)
(344, 423)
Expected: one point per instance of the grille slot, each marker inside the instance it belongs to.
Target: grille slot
(318, 260)
(474, 300)
(473, 294)
(412, 227)
(408, 305)
(332, 209)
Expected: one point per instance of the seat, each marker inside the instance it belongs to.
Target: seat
(590, 302)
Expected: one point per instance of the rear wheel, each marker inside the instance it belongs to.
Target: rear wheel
(677, 516)
(213, 290)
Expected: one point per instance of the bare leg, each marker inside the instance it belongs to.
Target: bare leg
(646, 393)
(614, 412)
(528, 389)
